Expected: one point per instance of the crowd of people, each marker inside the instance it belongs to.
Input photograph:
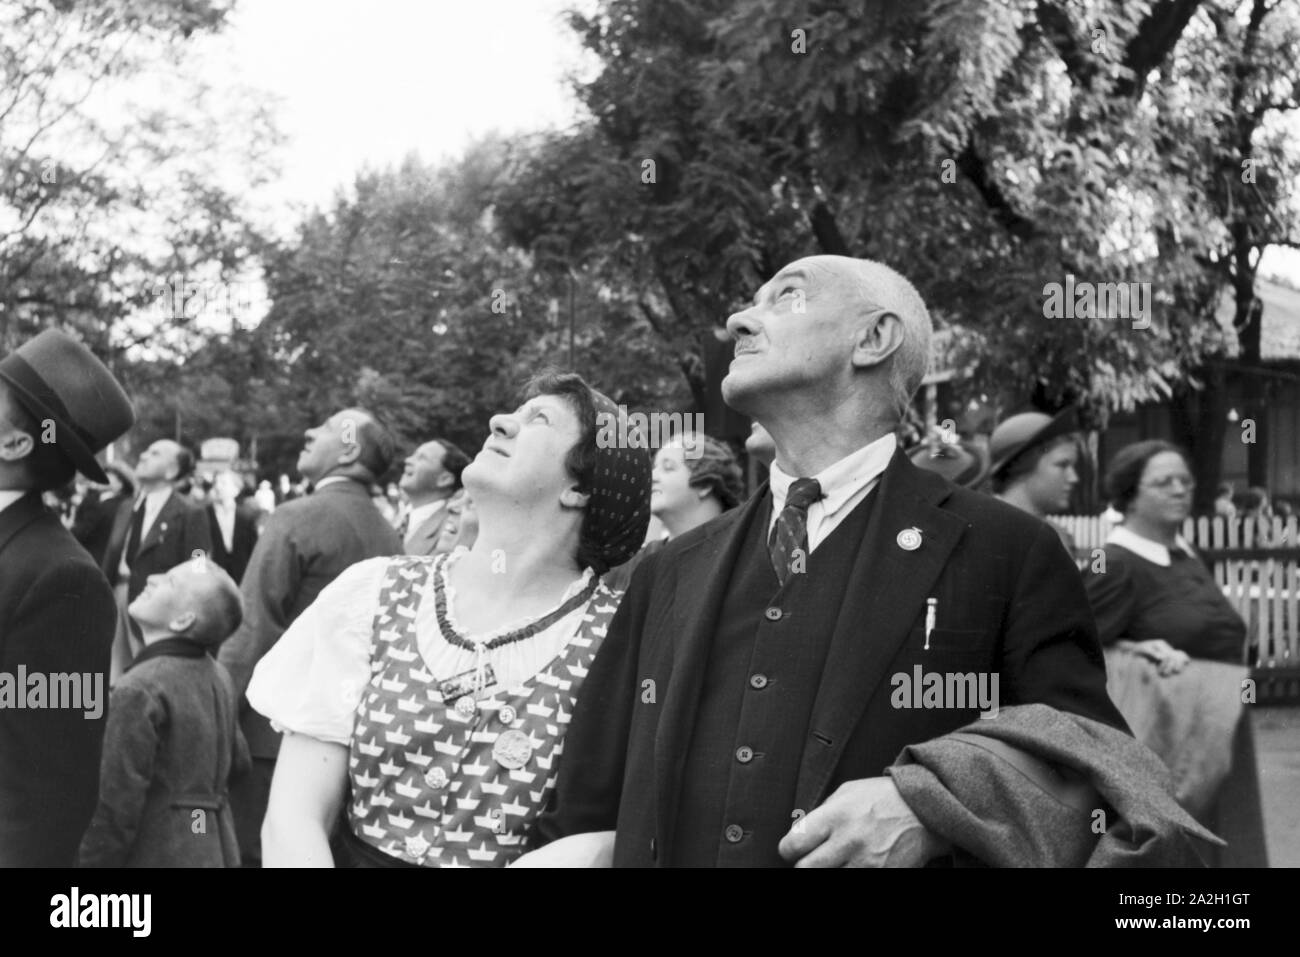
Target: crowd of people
(557, 652)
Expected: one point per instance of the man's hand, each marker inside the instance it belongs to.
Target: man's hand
(864, 823)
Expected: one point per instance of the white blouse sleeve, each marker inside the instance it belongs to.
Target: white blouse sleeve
(312, 678)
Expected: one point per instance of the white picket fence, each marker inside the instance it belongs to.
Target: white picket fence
(1257, 564)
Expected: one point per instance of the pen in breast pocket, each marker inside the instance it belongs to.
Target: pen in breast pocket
(931, 613)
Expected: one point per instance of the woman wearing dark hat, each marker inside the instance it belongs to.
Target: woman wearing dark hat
(1034, 457)
(432, 693)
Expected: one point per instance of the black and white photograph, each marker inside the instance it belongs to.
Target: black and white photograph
(651, 434)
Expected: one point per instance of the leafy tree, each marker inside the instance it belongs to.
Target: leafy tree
(111, 187)
(405, 297)
(986, 148)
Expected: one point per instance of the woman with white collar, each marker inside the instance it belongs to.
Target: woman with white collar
(1153, 591)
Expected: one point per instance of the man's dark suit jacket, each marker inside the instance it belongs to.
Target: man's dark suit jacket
(307, 542)
(94, 524)
(1010, 600)
(423, 540)
(57, 616)
(234, 561)
(180, 530)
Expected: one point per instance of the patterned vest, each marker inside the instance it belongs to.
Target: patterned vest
(457, 782)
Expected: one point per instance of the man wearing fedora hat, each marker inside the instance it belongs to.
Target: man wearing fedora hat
(59, 406)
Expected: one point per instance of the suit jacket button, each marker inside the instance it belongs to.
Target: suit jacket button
(758, 682)
(744, 755)
(654, 853)
(734, 834)
(773, 614)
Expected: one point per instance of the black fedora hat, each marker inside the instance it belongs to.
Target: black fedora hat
(1019, 433)
(55, 377)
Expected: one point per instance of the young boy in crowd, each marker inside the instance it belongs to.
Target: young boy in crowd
(172, 740)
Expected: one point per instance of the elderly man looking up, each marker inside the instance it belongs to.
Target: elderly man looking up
(748, 702)
(307, 542)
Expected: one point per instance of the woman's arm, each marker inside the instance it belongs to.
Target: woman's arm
(307, 791)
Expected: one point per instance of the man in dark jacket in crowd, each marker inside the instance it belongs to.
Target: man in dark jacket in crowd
(233, 526)
(97, 513)
(162, 527)
(307, 542)
(59, 406)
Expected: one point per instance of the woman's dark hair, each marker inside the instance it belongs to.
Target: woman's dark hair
(1026, 461)
(1125, 471)
(580, 462)
(715, 468)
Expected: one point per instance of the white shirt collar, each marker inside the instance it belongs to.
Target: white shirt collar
(331, 480)
(841, 481)
(1144, 547)
(9, 496)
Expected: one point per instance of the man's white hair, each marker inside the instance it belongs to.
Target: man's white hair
(881, 287)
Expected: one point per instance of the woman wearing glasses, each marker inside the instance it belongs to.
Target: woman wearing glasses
(1153, 592)
(1174, 649)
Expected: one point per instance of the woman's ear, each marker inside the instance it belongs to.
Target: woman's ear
(572, 498)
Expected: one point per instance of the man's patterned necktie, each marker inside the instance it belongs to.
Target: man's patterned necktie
(790, 534)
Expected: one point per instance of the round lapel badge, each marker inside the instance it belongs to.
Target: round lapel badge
(909, 539)
(512, 750)
(465, 706)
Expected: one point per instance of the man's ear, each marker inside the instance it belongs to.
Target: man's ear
(15, 445)
(351, 452)
(445, 479)
(572, 498)
(182, 622)
(878, 340)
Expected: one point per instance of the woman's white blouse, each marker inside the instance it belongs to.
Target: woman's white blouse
(312, 679)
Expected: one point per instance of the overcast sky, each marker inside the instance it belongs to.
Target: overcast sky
(369, 81)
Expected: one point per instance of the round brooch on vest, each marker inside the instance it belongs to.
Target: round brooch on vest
(512, 750)
(436, 778)
(507, 715)
(465, 706)
(909, 539)
(416, 845)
